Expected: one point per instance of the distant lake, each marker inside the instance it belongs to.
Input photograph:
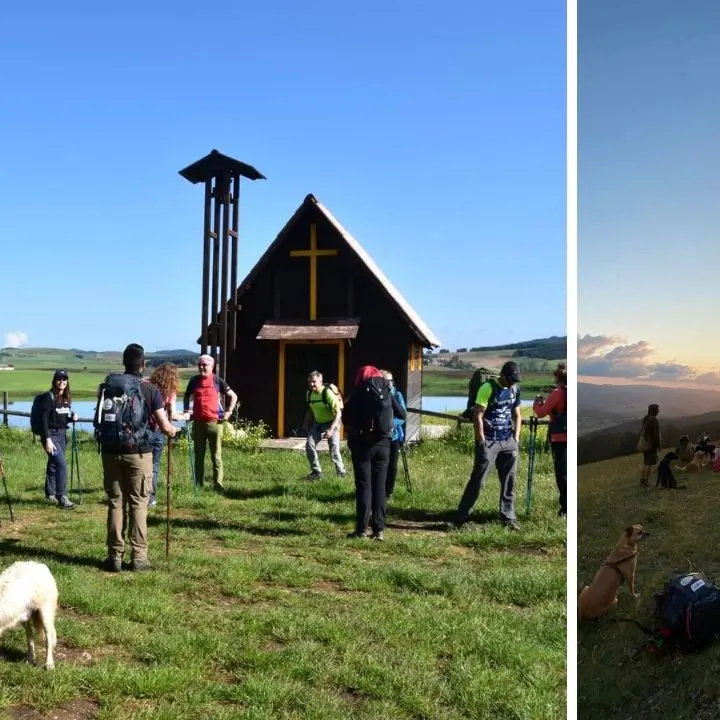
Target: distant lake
(86, 408)
(83, 408)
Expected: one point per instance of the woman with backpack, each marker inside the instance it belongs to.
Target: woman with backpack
(55, 415)
(166, 378)
(397, 439)
(368, 416)
(556, 407)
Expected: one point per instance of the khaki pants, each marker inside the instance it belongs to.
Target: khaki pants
(210, 433)
(128, 481)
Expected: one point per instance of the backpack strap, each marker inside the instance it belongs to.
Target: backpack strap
(493, 393)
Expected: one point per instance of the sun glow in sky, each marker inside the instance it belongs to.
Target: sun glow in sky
(648, 187)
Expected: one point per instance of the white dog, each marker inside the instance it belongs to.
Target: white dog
(28, 595)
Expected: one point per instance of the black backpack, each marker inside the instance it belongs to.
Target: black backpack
(371, 410)
(36, 413)
(122, 415)
(688, 611)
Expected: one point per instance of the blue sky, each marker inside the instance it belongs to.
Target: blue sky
(648, 181)
(434, 132)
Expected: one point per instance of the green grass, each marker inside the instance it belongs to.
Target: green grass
(26, 383)
(265, 610)
(438, 381)
(617, 676)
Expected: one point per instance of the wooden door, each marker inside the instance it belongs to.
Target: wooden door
(300, 360)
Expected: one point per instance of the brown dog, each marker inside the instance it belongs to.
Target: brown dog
(598, 597)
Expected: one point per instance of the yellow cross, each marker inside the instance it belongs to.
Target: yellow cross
(313, 253)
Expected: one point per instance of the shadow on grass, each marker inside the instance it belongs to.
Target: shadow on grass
(11, 655)
(239, 493)
(205, 525)
(28, 552)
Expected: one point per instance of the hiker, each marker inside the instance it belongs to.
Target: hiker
(125, 405)
(55, 414)
(397, 439)
(166, 378)
(368, 416)
(322, 422)
(650, 442)
(556, 407)
(207, 391)
(496, 411)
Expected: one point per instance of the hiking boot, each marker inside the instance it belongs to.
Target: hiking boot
(357, 536)
(152, 502)
(50, 500)
(219, 489)
(65, 503)
(112, 564)
(314, 475)
(379, 536)
(512, 526)
(139, 565)
(342, 474)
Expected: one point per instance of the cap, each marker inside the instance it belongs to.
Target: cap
(510, 371)
(60, 375)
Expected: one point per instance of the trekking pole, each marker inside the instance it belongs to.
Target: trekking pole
(167, 490)
(408, 484)
(7, 494)
(531, 462)
(191, 456)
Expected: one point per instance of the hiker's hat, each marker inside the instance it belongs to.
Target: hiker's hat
(510, 371)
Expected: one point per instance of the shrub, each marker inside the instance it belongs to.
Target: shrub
(245, 435)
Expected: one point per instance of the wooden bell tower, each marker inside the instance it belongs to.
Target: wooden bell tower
(221, 175)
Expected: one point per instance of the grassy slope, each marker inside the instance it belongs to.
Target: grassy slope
(617, 677)
(264, 607)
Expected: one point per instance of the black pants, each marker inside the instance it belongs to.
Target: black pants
(392, 467)
(370, 464)
(559, 454)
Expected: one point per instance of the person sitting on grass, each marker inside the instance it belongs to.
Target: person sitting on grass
(55, 414)
(322, 422)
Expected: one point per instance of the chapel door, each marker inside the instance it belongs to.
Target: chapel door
(300, 360)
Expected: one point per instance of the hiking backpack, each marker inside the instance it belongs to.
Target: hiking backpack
(476, 381)
(122, 415)
(688, 611)
(372, 414)
(36, 413)
(334, 389)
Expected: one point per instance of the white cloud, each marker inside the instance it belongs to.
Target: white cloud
(16, 339)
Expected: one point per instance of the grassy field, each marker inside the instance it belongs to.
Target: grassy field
(265, 610)
(617, 676)
(23, 384)
(439, 381)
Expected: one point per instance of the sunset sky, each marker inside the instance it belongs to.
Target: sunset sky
(649, 191)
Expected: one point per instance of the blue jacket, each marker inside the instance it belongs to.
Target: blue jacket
(398, 431)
